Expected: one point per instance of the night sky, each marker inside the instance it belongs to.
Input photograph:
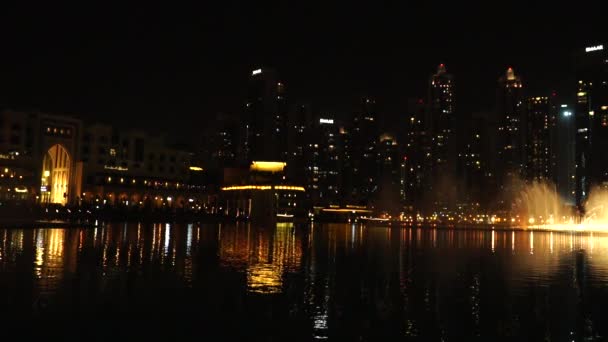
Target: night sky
(138, 66)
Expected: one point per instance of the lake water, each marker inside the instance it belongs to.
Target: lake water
(337, 282)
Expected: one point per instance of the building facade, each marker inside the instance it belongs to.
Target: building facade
(40, 157)
(59, 159)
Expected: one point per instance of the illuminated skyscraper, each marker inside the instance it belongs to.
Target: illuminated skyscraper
(266, 118)
(565, 170)
(591, 117)
(472, 161)
(540, 138)
(324, 162)
(219, 141)
(442, 155)
(417, 159)
(510, 110)
(363, 153)
(390, 190)
(441, 110)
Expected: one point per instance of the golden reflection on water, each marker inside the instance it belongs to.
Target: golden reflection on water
(267, 256)
(264, 254)
(110, 249)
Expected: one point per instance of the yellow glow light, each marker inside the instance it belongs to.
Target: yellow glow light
(356, 206)
(347, 210)
(23, 189)
(289, 187)
(263, 187)
(285, 215)
(246, 187)
(267, 166)
(117, 168)
(196, 168)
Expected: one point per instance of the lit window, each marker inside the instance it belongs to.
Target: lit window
(113, 152)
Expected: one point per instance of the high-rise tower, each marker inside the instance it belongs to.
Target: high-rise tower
(441, 110)
(266, 118)
(510, 110)
(591, 120)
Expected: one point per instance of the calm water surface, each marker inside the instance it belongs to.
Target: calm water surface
(336, 282)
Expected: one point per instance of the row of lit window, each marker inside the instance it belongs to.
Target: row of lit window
(149, 183)
(8, 173)
(58, 131)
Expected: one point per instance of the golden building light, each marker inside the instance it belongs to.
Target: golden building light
(347, 210)
(195, 168)
(267, 166)
(264, 187)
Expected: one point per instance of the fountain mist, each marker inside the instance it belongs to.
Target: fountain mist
(538, 205)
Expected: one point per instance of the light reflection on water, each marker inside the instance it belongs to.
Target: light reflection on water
(320, 281)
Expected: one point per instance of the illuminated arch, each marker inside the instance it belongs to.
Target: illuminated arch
(56, 166)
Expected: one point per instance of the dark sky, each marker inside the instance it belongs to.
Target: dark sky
(141, 65)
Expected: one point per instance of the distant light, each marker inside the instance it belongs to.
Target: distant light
(195, 168)
(326, 121)
(21, 189)
(591, 112)
(256, 71)
(594, 48)
(190, 200)
(567, 113)
(564, 106)
(117, 168)
(169, 199)
(285, 215)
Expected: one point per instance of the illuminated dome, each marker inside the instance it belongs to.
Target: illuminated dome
(441, 69)
(510, 74)
(387, 136)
